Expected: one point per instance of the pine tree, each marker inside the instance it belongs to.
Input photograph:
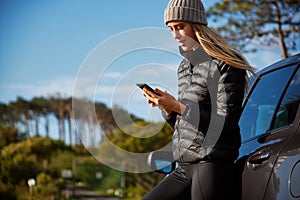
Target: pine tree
(268, 22)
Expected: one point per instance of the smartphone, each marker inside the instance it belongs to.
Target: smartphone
(144, 85)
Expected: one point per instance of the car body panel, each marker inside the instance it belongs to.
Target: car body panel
(256, 177)
(269, 158)
(285, 179)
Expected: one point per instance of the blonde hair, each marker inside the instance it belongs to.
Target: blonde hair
(216, 46)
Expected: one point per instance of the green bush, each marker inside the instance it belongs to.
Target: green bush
(39, 158)
(47, 187)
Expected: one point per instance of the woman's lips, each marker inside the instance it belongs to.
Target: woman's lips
(181, 42)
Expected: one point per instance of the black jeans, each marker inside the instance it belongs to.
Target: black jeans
(200, 181)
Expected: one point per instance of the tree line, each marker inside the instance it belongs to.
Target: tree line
(43, 158)
(29, 117)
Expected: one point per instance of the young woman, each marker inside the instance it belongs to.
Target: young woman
(212, 79)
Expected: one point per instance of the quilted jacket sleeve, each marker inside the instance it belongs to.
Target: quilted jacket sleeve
(171, 119)
(230, 90)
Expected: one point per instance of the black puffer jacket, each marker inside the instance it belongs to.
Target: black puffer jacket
(212, 92)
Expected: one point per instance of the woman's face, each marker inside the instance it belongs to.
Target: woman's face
(184, 34)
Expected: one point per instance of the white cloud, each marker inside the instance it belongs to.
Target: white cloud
(61, 85)
(112, 75)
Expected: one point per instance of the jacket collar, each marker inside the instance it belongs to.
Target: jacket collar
(195, 56)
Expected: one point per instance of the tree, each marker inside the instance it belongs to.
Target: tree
(20, 112)
(4, 114)
(268, 22)
(41, 107)
(69, 116)
(58, 107)
(105, 118)
(8, 134)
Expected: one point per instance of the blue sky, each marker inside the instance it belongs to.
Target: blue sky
(44, 44)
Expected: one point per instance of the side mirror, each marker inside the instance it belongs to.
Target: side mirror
(161, 161)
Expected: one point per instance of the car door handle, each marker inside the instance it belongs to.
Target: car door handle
(260, 157)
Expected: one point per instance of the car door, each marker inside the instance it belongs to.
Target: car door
(284, 181)
(262, 141)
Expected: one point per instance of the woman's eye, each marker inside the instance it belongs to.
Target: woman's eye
(177, 28)
(180, 27)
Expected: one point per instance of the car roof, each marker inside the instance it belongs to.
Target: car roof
(287, 61)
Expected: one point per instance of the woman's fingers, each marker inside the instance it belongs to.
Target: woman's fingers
(160, 92)
(150, 99)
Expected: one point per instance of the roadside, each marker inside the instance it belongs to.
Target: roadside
(81, 194)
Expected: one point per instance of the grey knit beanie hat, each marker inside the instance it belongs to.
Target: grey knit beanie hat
(185, 10)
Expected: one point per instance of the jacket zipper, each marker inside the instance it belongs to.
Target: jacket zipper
(179, 146)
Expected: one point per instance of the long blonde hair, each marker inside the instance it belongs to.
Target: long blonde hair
(216, 46)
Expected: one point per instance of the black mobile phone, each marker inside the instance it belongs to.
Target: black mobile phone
(144, 85)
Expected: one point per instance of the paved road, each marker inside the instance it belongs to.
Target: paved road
(91, 195)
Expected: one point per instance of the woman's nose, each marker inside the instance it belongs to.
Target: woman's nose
(176, 34)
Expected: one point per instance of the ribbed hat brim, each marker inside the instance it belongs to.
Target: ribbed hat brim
(178, 11)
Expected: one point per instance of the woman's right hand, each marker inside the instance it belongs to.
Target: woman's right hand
(164, 101)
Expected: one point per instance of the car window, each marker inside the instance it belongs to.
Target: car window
(259, 109)
(288, 108)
